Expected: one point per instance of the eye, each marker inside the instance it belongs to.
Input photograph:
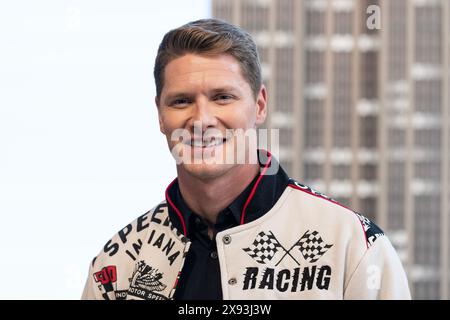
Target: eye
(223, 98)
(179, 102)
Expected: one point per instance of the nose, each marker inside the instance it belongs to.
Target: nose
(203, 115)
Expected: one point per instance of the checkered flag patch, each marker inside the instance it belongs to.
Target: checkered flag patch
(312, 246)
(264, 247)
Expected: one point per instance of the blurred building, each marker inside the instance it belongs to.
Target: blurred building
(360, 92)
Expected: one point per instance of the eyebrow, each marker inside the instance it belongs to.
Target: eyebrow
(225, 89)
(181, 94)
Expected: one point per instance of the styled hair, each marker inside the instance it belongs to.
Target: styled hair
(209, 37)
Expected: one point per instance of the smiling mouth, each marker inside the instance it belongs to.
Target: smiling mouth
(206, 144)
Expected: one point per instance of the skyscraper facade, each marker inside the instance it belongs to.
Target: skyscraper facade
(359, 90)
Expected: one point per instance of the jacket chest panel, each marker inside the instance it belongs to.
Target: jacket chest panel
(281, 258)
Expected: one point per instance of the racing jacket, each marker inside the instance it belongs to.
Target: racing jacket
(306, 246)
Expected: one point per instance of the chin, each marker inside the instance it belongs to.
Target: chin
(206, 171)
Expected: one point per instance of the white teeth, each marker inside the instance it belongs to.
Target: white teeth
(201, 144)
(214, 143)
(197, 143)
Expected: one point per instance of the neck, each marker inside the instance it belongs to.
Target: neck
(208, 197)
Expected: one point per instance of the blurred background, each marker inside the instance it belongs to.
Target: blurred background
(358, 88)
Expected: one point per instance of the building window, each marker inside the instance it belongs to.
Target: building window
(287, 165)
(396, 138)
(368, 172)
(313, 123)
(428, 138)
(397, 40)
(429, 170)
(314, 64)
(369, 207)
(342, 100)
(426, 289)
(341, 172)
(428, 34)
(254, 17)
(427, 94)
(285, 15)
(343, 22)
(369, 75)
(368, 131)
(284, 79)
(427, 230)
(222, 9)
(314, 22)
(286, 136)
(313, 171)
(396, 195)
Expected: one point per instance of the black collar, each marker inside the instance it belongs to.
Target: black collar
(257, 198)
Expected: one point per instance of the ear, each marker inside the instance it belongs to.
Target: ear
(261, 105)
(161, 122)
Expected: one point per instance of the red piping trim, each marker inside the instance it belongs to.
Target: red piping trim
(175, 208)
(335, 202)
(254, 187)
(246, 202)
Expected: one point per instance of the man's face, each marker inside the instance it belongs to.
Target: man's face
(207, 97)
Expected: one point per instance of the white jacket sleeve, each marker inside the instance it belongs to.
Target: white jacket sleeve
(379, 275)
(91, 292)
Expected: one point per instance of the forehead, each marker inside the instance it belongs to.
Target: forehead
(192, 69)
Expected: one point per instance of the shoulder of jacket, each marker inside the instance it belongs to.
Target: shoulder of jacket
(133, 233)
(346, 216)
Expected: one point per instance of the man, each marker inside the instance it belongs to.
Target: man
(235, 229)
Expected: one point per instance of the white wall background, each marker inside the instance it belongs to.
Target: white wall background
(81, 154)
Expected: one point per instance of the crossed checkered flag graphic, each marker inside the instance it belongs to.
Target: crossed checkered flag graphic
(264, 247)
(312, 246)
